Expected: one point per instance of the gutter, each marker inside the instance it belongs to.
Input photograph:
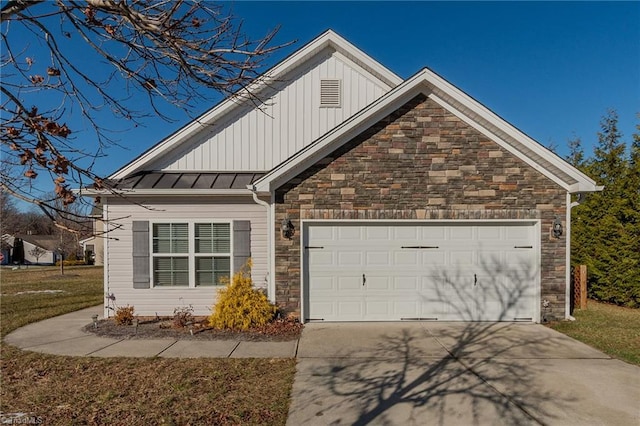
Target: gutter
(270, 239)
(162, 192)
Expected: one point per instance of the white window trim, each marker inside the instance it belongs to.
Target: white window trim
(191, 253)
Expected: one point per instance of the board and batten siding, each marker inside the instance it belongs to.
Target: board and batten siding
(290, 119)
(148, 302)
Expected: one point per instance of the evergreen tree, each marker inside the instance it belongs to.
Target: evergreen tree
(576, 152)
(605, 226)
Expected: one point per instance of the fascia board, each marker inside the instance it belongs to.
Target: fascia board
(270, 77)
(579, 187)
(391, 79)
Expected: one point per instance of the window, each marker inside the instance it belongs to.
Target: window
(213, 248)
(191, 254)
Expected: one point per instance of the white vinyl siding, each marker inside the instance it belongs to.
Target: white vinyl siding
(290, 118)
(164, 300)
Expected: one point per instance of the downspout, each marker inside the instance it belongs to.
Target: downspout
(270, 239)
(105, 256)
(571, 205)
(567, 297)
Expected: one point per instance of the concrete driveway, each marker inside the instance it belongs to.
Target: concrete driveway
(457, 374)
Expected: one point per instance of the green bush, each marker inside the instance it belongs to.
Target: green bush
(240, 306)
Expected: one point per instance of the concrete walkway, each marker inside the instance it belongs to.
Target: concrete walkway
(63, 335)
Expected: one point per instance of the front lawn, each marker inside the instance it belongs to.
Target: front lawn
(77, 390)
(612, 329)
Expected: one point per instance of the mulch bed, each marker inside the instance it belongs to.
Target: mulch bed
(279, 330)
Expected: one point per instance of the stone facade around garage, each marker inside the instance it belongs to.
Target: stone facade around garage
(421, 162)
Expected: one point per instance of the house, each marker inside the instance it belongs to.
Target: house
(358, 195)
(29, 249)
(93, 246)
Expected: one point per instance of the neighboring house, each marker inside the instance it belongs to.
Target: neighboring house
(358, 195)
(38, 249)
(94, 245)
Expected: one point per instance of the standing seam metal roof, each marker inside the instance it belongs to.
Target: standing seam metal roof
(177, 180)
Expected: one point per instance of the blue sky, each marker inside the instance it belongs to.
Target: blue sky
(550, 69)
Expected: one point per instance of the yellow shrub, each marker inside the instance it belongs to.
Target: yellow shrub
(240, 306)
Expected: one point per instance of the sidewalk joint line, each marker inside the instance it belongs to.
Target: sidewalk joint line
(166, 349)
(105, 347)
(234, 349)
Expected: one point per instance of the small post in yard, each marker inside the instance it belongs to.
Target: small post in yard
(61, 261)
(583, 286)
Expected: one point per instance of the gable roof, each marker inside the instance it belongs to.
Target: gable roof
(47, 242)
(455, 101)
(297, 59)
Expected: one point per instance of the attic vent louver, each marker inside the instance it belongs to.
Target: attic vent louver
(330, 93)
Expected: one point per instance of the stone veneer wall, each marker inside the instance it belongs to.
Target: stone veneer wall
(420, 162)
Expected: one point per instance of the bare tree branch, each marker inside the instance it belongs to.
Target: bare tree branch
(164, 52)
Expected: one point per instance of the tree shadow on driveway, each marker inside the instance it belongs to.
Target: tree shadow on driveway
(412, 376)
(457, 373)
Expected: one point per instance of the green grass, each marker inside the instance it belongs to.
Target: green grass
(77, 390)
(612, 329)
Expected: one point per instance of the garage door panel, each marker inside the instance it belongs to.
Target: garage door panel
(490, 233)
(492, 259)
(461, 258)
(350, 258)
(461, 233)
(433, 233)
(376, 308)
(323, 284)
(406, 233)
(326, 233)
(350, 233)
(381, 258)
(349, 283)
(406, 308)
(405, 258)
(406, 283)
(321, 258)
(518, 233)
(324, 309)
(452, 272)
(377, 233)
(377, 283)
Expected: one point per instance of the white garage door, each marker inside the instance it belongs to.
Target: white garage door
(407, 271)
